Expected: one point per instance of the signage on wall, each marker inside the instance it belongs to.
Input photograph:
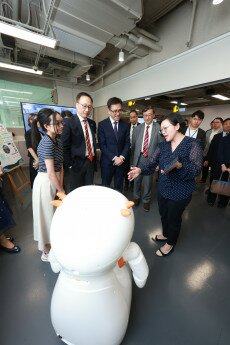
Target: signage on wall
(9, 155)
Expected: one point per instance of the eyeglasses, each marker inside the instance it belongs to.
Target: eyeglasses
(59, 123)
(85, 106)
(116, 111)
(163, 129)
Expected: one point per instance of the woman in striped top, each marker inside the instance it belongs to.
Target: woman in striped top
(49, 179)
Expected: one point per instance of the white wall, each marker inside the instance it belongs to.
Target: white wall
(201, 65)
(173, 31)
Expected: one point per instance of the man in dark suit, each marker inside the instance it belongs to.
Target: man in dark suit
(146, 137)
(79, 143)
(114, 142)
(133, 118)
(193, 130)
(213, 162)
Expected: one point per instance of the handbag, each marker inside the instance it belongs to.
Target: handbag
(221, 187)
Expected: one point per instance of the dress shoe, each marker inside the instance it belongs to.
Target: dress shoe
(15, 249)
(136, 202)
(146, 206)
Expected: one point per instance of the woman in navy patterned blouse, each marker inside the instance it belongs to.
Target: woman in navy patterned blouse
(180, 160)
(49, 179)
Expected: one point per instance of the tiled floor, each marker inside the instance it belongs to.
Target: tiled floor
(185, 301)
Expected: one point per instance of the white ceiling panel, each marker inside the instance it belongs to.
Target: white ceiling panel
(77, 44)
(99, 18)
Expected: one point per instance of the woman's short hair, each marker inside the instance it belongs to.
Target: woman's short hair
(174, 119)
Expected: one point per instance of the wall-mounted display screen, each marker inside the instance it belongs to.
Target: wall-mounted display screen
(28, 108)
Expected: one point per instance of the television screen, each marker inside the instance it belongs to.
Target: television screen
(140, 119)
(28, 108)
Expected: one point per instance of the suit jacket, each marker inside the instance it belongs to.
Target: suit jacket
(138, 123)
(137, 141)
(207, 143)
(109, 145)
(224, 151)
(73, 140)
(201, 135)
(212, 155)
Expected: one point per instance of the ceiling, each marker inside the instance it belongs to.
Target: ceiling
(193, 98)
(90, 35)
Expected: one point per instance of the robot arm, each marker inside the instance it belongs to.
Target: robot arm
(136, 260)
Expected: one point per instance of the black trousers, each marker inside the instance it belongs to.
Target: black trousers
(83, 176)
(171, 217)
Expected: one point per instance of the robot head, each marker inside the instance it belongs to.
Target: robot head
(89, 231)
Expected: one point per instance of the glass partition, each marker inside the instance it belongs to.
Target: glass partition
(11, 94)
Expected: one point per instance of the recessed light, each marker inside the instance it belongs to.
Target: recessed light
(223, 98)
(217, 2)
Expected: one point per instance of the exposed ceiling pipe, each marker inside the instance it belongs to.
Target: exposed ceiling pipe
(194, 5)
(128, 9)
(145, 33)
(144, 41)
(15, 10)
(29, 13)
(125, 43)
(79, 71)
(45, 29)
(112, 69)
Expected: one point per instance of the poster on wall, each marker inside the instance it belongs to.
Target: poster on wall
(9, 155)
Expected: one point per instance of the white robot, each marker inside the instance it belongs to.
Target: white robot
(90, 239)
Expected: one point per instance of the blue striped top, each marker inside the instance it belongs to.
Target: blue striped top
(50, 149)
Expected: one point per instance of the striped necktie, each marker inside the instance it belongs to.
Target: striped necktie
(146, 142)
(87, 141)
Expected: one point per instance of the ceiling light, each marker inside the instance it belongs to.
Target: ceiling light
(217, 2)
(223, 98)
(121, 56)
(26, 92)
(26, 99)
(23, 34)
(19, 68)
(87, 77)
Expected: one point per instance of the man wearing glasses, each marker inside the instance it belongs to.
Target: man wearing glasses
(146, 137)
(114, 142)
(79, 143)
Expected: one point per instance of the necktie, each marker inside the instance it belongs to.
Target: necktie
(146, 142)
(87, 141)
(115, 129)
